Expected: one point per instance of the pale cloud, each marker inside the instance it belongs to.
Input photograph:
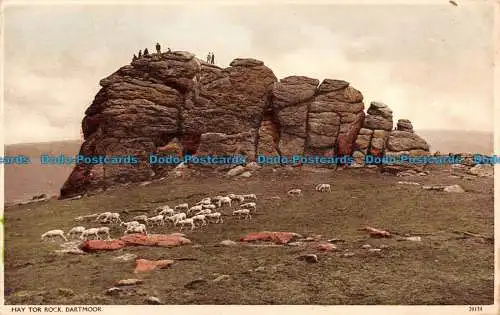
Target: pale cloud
(430, 63)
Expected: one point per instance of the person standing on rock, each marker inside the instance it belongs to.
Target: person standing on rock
(158, 47)
(209, 57)
(140, 53)
(212, 59)
(146, 52)
(134, 58)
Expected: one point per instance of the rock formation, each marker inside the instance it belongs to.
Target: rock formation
(176, 103)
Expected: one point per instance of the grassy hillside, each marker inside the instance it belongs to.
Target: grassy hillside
(443, 268)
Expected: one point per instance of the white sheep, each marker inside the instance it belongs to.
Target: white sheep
(141, 228)
(236, 197)
(165, 212)
(249, 205)
(161, 208)
(215, 215)
(78, 230)
(212, 207)
(53, 233)
(176, 217)
(216, 198)
(109, 216)
(204, 211)
(92, 231)
(250, 196)
(156, 219)
(204, 201)
(295, 192)
(186, 221)
(143, 218)
(245, 212)
(182, 206)
(200, 217)
(103, 230)
(224, 201)
(115, 217)
(129, 224)
(240, 198)
(195, 208)
(323, 187)
(103, 216)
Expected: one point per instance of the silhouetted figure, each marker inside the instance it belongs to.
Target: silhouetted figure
(209, 57)
(168, 50)
(212, 59)
(146, 52)
(140, 53)
(158, 48)
(134, 58)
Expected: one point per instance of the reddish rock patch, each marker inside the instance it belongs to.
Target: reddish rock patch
(145, 265)
(95, 245)
(276, 237)
(162, 240)
(326, 247)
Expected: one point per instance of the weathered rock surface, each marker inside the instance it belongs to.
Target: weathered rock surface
(174, 103)
(145, 265)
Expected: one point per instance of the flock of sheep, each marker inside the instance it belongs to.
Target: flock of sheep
(181, 215)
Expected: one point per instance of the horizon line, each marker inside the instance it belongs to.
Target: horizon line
(492, 132)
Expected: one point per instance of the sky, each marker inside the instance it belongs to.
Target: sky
(432, 64)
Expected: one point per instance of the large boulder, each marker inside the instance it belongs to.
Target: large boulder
(406, 141)
(176, 104)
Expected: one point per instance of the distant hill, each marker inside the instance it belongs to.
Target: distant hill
(24, 181)
(458, 141)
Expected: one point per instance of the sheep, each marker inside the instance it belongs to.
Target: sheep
(240, 198)
(216, 198)
(109, 216)
(250, 196)
(103, 216)
(143, 218)
(245, 212)
(295, 192)
(156, 219)
(212, 207)
(195, 208)
(236, 197)
(163, 208)
(76, 230)
(176, 217)
(215, 215)
(323, 187)
(53, 233)
(224, 201)
(115, 217)
(141, 228)
(83, 217)
(204, 211)
(204, 201)
(182, 206)
(167, 212)
(92, 231)
(251, 205)
(186, 221)
(103, 230)
(200, 217)
(129, 224)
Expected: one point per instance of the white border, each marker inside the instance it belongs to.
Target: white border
(285, 309)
